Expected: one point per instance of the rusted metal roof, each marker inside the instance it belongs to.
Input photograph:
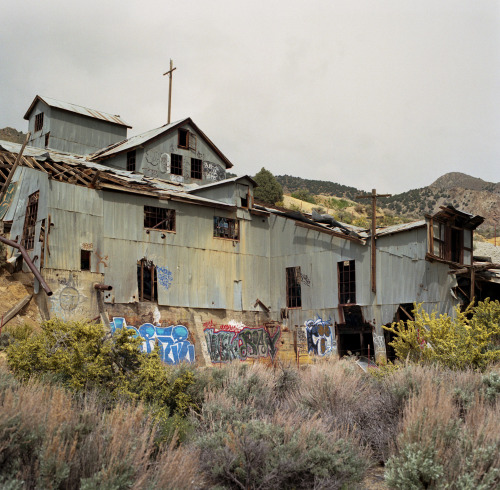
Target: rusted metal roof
(85, 111)
(389, 230)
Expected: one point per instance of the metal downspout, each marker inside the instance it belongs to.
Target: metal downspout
(29, 263)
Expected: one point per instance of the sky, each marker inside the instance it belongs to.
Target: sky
(385, 94)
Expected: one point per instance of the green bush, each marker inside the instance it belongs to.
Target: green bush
(470, 340)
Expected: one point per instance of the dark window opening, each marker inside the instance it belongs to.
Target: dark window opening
(131, 161)
(347, 282)
(183, 141)
(176, 164)
(28, 239)
(7, 226)
(293, 289)
(353, 316)
(356, 341)
(85, 260)
(47, 137)
(159, 218)
(196, 168)
(244, 201)
(457, 245)
(226, 228)
(39, 122)
(146, 280)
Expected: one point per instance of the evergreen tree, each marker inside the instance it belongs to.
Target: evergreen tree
(269, 190)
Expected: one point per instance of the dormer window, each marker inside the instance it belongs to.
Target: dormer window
(183, 138)
(131, 161)
(39, 122)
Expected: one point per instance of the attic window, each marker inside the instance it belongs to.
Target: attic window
(293, 289)
(183, 141)
(28, 239)
(131, 161)
(176, 164)
(347, 282)
(196, 168)
(162, 219)
(226, 228)
(85, 257)
(39, 122)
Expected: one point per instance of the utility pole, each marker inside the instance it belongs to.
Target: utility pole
(170, 73)
(373, 196)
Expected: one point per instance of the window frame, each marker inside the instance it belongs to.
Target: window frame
(176, 163)
(142, 265)
(30, 220)
(131, 160)
(293, 287)
(186, 134)
(39, 121)
(233, 227)
(346, 270)
(198, 172)
(161, 216)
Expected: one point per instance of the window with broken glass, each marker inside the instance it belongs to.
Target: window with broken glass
(196, 168)
(183, 138)
(347, 282)
(131, 161)
(451, 243)
(293, 289)
(28, 239)
(176, 164)
(147, 280)
(39, 122)
(226, 228)
(161, 219)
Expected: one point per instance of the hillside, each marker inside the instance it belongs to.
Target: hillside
(13, 135)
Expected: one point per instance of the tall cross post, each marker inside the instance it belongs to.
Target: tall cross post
(373, 196)
(170, 73)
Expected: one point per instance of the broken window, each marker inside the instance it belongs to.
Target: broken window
(28, 239)
(47, 137)
(293, 289)
(347, 282)
(226, 228)
(176, 164)
(183, 141)
(159, 218)
(146, 280)
(85, 260)
(131, 161)
(196, 168)
(39, 122)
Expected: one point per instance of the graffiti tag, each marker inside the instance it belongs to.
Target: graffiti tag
(165, 277)
(320, 337)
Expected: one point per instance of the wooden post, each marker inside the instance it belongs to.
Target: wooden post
(373, 196)
(169, 73)
(13, 169)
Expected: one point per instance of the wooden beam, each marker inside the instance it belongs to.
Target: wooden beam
(15, 309)
(13, 169)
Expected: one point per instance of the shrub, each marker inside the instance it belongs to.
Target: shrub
(471, 340)
(269, 190)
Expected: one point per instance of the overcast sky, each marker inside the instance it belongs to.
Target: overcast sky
(385, 94)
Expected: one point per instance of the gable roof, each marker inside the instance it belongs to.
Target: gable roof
(66, 106)
(223, 182)
(152, 135)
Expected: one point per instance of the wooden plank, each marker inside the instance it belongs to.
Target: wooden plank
(15, 309)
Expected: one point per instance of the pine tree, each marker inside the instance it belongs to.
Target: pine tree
(268, 190)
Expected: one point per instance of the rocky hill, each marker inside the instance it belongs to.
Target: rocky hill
(13, 135)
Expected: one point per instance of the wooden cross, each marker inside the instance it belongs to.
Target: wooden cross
(373, 196)
(170, 73)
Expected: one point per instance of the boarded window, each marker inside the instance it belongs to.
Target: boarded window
(146, 280)
(293, 289)
(196, 168)
(39, 122)
(176, 164)
(183, 141)
(159, 218)
(347, 282)
(226, 228)
(85, 256)
(28, 239)
(131, 161)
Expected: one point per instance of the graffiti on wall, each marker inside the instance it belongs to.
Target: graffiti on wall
(165, 277)
(379, 342)
(173, 340)
(213, 171)
(236, 341)
(320, 337)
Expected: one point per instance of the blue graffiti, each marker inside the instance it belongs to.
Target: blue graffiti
(165, 277)
(320, 336)
(173, 341)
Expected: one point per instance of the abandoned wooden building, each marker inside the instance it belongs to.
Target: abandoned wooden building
(147, 232)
